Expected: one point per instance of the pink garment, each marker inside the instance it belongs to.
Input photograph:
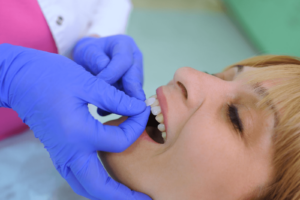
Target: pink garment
(22, 23)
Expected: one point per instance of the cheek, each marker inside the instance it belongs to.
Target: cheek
(208, 146)
(212, 156)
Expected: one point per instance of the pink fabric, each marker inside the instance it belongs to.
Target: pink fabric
(22, 23)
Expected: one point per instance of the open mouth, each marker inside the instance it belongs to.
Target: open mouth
(153, 131)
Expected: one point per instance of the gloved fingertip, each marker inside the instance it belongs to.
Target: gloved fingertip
(101, 62)
(132, 107)
(138, 106)
(141, 118)
(141, 95)
(134, 89)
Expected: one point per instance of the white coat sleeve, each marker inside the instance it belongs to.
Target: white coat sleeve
(111, 18)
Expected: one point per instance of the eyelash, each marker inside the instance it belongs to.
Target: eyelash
(209, 73)
(233, 115)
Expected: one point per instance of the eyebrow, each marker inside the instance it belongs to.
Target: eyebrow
(262, 92)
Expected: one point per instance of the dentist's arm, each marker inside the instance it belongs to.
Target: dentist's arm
(50, 94)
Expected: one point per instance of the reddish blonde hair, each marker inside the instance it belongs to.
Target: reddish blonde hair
(285, 94)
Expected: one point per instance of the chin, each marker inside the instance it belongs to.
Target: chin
(127, 167)
(132, 167)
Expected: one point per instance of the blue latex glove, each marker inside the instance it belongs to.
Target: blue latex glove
(50, 94)
(115, 59)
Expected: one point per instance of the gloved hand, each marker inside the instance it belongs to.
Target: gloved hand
(115, 59)
(50, 94)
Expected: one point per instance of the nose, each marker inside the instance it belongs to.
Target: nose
(198, 85)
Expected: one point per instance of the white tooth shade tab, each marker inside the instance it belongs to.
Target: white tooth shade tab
(150, 101)
(154, 96)
(161, 127)
(155, 110)
(156, 103)
(160, 118)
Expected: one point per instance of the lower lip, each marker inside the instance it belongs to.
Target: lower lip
(145, 136)
(163, 104)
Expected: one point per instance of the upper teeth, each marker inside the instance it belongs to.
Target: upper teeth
(160, 118)
(161, 127)
(156, 110)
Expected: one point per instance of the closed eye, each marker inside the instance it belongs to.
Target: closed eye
(234, 117)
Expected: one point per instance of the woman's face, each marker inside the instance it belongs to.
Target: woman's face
(218, 142)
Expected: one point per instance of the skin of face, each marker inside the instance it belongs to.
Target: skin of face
(204, 156)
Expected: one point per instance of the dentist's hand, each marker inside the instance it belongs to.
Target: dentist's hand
(50, 94)
(115, 59)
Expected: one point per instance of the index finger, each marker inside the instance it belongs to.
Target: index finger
(134, 77)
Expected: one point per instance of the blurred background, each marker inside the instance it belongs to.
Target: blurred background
(207, 35)
(210, 34)
(178, 33)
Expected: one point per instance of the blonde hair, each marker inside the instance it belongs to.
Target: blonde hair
(284, 72)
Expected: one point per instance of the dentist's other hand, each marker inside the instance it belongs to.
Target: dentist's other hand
(115, 59)
(50, 94)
